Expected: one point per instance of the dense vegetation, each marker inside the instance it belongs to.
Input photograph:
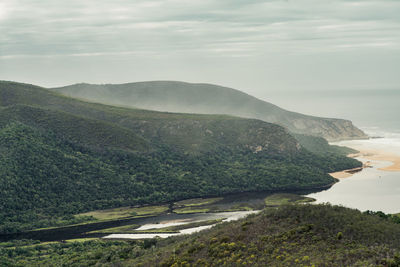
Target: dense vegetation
(294, 235)
(81, 121)
(43, 177)
(60, 156)
(320, 146)
(175, 96)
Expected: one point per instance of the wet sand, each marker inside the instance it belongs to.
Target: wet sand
(340, 175)
(380, 156)
(374, 155)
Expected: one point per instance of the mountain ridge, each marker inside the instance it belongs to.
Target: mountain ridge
(60, 156)
(204, 98)
(173, 128)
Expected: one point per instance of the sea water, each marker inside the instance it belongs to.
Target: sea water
(377, 113)
(376, 110)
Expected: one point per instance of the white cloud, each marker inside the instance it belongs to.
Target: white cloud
(202, 32)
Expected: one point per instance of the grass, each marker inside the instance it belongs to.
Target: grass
(197, 202)
(191, 210)
(284, 199)
(89, 221)
(237, 208)
(125, 212)
(80, 240)
(33, 243)
(289, 235)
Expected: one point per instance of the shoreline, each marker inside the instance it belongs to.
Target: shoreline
(347, 173)
(368, 155)
(380, 155)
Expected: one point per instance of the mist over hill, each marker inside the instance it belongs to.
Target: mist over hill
(189, 133)
(61, 156)
(175, 96)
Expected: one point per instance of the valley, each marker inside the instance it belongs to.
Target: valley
(75, 172)
(157, 133)
(61, 157)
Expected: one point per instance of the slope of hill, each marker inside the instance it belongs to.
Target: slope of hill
(210, 99)
(306, 235)
(60, 156)
(303, 235)
(189, 132)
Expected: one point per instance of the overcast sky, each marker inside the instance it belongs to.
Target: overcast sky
(255, 46)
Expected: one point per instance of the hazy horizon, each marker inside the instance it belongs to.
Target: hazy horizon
(254, 46)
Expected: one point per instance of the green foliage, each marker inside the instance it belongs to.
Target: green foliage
(390, 217)
(196, 202)
(293, 235)
(285, 199)
(116, 126)
(87, 253)
(208, 98)
(125, 212)
(320, 146)
(60, 156)
(45, 179)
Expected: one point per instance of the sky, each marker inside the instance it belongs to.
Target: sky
(251, 45)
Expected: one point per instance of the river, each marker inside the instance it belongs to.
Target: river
(374, 110)
(183, 219)
(372, 188)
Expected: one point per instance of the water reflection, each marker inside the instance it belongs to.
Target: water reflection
(229, 216)
(370, 189)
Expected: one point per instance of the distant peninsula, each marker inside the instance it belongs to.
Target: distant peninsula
(175, 96)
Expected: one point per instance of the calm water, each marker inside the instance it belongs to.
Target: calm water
(255, 200)
(370, 189)
(374, 111)
(227, 216)
(377, 112)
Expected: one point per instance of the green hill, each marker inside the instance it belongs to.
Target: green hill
(294, 235)
(189, 132)
(210, 99)
(75, 129)
(306, 235)
(60, 156)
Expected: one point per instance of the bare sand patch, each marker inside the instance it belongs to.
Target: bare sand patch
(380, 156)
(349, 172)
(340, 175)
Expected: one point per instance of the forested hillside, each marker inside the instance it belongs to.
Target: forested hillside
(210, 99)
(188, 132)
(302, 235)
(60, 156)
(316, 235)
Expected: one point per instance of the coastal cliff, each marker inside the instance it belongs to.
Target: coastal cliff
(174, 96)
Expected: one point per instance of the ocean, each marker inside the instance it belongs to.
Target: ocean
(374, 110)
(377, 113)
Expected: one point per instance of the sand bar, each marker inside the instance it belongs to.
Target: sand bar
(380, 156)
(340, 175)
(375, 155)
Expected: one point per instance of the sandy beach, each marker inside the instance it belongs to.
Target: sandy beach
(369, 155)
(340, 175)
(380, 156)
(349, 172)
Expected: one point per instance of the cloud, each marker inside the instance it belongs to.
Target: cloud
(176, 30)
(65, 27)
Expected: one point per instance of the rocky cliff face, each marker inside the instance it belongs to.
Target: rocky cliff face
(331, 129)
(211, 99)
